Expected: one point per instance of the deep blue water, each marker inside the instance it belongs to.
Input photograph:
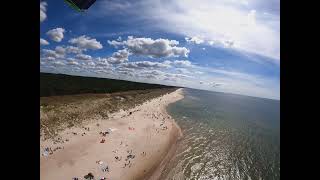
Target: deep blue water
(226, 136)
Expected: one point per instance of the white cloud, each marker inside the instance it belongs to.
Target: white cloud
(182, 70)
(214, 84)
(195, 40)
(253, 86)
(101, 71)
(153, 48)
(50, 53)
(103, 62)
(177, 75)
(73, 50)
(232, 81)
(167, 62)
(118, 57)
(126, 73)
(43, 10)
(237, 25)
(56, 34)
(43, 42)
(85, 42)
(121, 68)
(152, 75)
(60, 50)
(145, 64)
(252, 17)
(58, 63)
(83, 57)
(68, 49)
(90, 63)
(198, 72)
(181, 63)
(184, 63)
(47, 58)
(219, 42)
(73, 63)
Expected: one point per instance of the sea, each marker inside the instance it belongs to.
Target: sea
(225, 136)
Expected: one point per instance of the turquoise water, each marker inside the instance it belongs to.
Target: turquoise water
(226, 136)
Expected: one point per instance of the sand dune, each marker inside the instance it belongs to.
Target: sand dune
(134, 145)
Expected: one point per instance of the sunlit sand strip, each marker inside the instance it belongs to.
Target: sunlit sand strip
(132, 144)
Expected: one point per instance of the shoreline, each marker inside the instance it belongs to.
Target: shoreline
(141, 141)
(155, 174)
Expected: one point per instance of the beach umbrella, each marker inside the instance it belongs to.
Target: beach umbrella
(80, 5)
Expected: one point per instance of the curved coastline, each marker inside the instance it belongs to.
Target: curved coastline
(155, 172)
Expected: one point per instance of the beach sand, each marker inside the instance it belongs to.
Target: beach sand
(137, 146)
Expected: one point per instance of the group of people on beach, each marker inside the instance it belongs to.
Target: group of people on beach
(128, 161)
(89, 176)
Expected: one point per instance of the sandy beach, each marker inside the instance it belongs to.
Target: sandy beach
(129, 145)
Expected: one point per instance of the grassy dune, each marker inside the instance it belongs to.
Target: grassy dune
(67, 101)
(61, 84)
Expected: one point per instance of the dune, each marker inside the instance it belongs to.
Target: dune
(129, 145)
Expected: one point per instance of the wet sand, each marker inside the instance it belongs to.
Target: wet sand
(136, 146)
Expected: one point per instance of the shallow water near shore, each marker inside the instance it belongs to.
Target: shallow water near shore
(226, 136)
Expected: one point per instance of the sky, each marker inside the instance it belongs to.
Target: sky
(230, 46)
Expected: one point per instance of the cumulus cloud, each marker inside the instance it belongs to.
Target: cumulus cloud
(43, 42)
(162, 76)
(60, 50)
(101, 71)
(126, 73)
(156, 73)
(85, 42)
(182, 70)
(50, 53)
(47, 58)
(145, 64)
(90, 63)
(58, 63)
(118, 57)
(153, 48)
(181, 63)
(172, 75)
(56, 34)
(72, 63)
(102, 62)
(184, 63)
(159, 75)
(224, 43)
(43, 10)
(242, 23)
(73, 50)
(68, 50)
(83, 57)
(121, 68)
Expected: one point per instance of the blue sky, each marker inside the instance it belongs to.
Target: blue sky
(228, 46)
